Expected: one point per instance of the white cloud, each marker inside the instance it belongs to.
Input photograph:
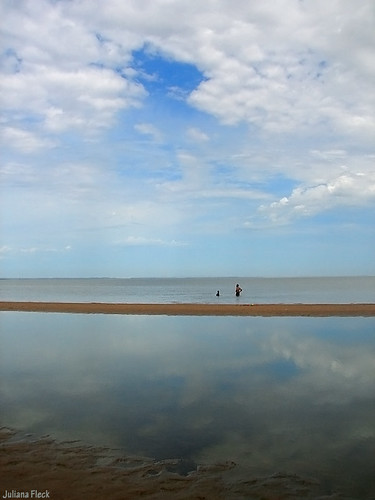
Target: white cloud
(279, 72)
(23, 140)
(294, 73)
(335, 154)
(59, 70)
(4, 250)
(87, 98)
(346, 190)
(149, 129)
(144, 241)
(31, 250)
(197, 135)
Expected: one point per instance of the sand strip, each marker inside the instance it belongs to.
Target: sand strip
(317, 310)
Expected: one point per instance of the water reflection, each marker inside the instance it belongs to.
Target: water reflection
(272, 394)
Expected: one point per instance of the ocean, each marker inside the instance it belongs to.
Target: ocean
(359, 289)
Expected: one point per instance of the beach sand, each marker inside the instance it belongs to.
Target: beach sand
(72, 471)
(317, 310)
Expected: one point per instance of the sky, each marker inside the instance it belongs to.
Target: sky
(181, 138)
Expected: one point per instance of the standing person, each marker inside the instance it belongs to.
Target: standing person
(238, 290)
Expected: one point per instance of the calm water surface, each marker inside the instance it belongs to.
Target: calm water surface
(192, 290)
(292, 395)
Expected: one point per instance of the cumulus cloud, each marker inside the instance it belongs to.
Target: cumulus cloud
(85, 99)
(310, 200)
(261, 66)
(294, 73)
(279, 72)
(58, 70)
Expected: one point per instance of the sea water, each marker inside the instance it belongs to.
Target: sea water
(192, 290)
(290, 395)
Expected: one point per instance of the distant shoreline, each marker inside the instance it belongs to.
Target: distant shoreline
(315, 310)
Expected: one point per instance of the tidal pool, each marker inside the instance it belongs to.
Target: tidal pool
(291, 395)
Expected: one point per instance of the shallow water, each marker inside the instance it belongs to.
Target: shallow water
(294, 395)
(192, 290)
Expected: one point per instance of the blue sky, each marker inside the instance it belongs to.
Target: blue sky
(183, 138)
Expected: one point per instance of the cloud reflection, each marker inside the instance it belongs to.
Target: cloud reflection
(269, 393)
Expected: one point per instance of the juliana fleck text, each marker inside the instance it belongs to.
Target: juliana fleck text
(26, 494)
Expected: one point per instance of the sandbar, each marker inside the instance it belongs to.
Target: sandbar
(190, 309)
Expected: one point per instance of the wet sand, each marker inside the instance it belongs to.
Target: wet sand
(317, 310)
(71, 470)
